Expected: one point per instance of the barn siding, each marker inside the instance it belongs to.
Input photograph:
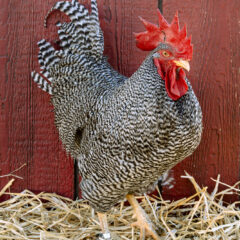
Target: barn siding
(215, 78)
(27, 132)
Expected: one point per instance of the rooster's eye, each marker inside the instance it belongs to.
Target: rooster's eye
(165, 54)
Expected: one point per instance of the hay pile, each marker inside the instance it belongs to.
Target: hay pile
(49, 216)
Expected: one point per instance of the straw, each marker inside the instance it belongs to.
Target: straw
(48, 216)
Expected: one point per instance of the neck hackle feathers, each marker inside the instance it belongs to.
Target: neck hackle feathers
(165, 33)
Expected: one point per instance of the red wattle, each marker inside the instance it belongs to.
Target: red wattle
(175, 83)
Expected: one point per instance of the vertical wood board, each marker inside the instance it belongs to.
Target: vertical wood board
(28, 135)
(215, 78)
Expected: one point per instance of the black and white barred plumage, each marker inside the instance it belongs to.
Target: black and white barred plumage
(124, 132)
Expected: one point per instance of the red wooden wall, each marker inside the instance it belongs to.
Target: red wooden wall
(215, 78)
(27, 132)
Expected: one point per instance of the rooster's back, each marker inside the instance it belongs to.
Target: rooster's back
(78, 74)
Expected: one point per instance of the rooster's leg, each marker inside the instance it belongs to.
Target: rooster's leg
(143, 221)
(104, 226)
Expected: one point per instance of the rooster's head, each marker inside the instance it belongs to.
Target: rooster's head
(172, 51)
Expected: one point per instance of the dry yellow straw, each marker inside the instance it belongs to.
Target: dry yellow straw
(47, 216)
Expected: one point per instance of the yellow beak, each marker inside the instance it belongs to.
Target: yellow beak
(183, 64)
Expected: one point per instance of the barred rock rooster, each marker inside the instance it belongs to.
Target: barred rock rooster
(123, 132)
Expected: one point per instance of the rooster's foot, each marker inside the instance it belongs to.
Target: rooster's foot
(143, 222)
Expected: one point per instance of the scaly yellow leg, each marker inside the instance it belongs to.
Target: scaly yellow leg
(143, 221)
(104, 225)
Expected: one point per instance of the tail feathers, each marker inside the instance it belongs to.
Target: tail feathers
(41, 82)
(47, 75)
(65, 39)
(83, 31)
(94, 11)
(73, 9)
(47, 58)
(47, 55)
(79, 39)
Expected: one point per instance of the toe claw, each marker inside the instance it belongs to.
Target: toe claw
(104, 236)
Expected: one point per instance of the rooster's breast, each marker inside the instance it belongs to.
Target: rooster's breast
(132, 143)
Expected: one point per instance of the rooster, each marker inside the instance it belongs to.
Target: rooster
(123, 132)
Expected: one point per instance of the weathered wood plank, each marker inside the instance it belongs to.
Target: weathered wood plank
(119, 20)
(215, 78)
(27, 133)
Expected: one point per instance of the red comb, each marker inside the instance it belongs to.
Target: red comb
(168, 33)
